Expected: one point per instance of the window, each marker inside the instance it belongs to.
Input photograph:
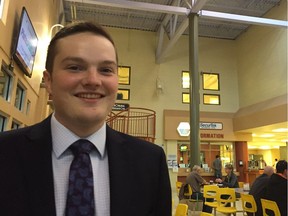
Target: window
(3, 121)
(124, 75)
(123, 94)
(19, 100)
(210, 81)
(185, 79)
(211, 99)
(5, 82)
(28, 105)
(185, 97)
(15, 125)
(1, 8)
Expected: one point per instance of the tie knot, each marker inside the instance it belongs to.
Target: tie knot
(81, 146)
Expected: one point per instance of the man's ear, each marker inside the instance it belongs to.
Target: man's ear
(47, 80)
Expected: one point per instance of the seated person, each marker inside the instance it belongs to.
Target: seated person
(277, 186)
(258, 188)
(230, 179)
(196, 181)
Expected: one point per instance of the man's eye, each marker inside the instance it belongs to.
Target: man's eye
(107, 70)
(74, 68)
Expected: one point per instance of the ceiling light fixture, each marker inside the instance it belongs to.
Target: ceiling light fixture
(267, 135)
(280, 130)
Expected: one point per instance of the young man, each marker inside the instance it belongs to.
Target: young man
(129, 176)
(277, 186)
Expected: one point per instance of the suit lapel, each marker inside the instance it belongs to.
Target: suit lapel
(37, 169)
(120, 173)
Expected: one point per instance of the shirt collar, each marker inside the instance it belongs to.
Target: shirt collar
(62, 138)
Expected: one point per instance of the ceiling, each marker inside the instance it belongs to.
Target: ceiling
(148, 20)
(131, 15)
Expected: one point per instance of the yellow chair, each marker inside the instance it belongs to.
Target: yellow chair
(178, 186)
(270, 205)
(181, 210)
(251, 207)
(205, 214)
(224, 197)
(189, 194)
(210, 192)
(241, 184)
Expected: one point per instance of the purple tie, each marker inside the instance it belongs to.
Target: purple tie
(80, 197)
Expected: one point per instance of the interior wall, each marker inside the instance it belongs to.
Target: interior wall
(42, 16)
(262, 60)
(137, 49)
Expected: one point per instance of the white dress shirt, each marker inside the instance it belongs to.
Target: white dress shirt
(62, 158)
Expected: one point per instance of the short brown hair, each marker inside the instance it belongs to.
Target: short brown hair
(71, 29)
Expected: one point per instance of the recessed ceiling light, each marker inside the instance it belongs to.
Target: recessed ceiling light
(285, 140)
(267, 135)
(264, 147)
(280, 130)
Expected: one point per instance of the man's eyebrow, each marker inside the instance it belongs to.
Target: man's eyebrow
(71, 58)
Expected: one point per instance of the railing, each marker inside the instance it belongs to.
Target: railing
(138, 122)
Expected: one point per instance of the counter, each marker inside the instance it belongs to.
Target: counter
(252, 175)
(205, 175)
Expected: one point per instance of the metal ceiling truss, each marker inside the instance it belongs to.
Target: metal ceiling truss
(171, 18)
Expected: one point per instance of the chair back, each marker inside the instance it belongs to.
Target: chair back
(241, 184)
(189, 192)
(181, 209)
(210, 191)
(178, 186)
(225, 196)
(248, 203)
(270, 205)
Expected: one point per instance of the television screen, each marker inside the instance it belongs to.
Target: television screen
(26, 44)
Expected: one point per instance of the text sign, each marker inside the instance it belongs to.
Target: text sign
(211, 126)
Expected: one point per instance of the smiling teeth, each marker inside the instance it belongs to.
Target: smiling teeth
(89, 96)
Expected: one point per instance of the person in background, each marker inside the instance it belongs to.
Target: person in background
(258, 188)
(195, 180)
(217, 166)
(230, 179)
(275, 163)
(277, 186)
(130, 175)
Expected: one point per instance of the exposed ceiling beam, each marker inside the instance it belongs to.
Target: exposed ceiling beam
(161, 55)
(138, 6)
(242, 19)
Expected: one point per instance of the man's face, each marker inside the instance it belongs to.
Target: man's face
(84, 82)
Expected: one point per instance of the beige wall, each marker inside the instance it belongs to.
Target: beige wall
(262, 60)
(43, 15)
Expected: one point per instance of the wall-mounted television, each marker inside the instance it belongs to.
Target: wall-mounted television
(26, 44)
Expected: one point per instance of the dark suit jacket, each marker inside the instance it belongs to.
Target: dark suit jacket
(277, 191)
(139, 179)
(258, 190)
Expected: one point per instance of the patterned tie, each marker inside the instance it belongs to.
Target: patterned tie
(80, 197)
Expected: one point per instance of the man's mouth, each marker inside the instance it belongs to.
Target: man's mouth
(89, 95)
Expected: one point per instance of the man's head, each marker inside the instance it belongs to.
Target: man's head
(71, 29)
(217, 156)
(268, 170)
(196, 168)
(228, 168)
(281, 167)
(82, 77)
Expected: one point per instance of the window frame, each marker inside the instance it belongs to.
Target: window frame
(206, 94)
(203, 81)
(20, 104)
(129, 75)
(7, 88)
